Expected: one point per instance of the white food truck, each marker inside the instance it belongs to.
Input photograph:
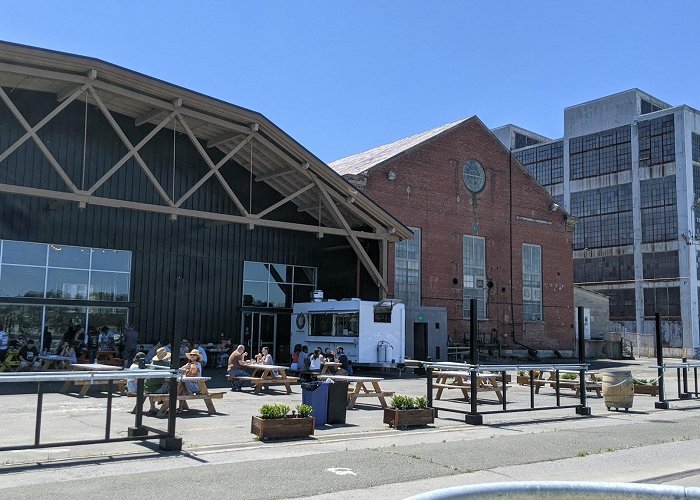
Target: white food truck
(372, 333)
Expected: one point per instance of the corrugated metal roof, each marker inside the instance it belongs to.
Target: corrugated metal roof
(361, 162)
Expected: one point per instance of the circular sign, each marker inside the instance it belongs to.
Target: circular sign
(474, 176)
(301, 321)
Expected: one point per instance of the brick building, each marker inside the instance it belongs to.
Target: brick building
(484, 229)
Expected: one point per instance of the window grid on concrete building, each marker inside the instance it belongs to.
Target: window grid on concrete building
(696, 147)
(658, 204)
(622, 303)
(663, 300)
(609, 269)
(601, 153)
(474, 275)
(407, 270)
(656, 141)
(604, 217)
(545, 163)
(532, 282)
(659, 265)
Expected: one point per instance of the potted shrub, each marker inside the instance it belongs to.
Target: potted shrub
(275, 421)
(644, 386)
(523, 377)
(406, 411)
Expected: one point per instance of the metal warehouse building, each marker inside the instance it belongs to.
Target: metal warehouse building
(128, 199)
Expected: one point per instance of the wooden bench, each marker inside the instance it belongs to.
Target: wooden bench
(361, 388)
(85, 384)
(462, 380)
(203, 394)
(592, 383)
(264, 376)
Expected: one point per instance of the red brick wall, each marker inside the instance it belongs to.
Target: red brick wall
(429, 193)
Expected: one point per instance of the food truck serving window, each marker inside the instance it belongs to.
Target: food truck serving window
(340, 324)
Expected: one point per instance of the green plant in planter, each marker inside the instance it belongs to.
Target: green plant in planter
(568, 376)
(643, 381)
(274, 411)
(304, 411)
(409, 403)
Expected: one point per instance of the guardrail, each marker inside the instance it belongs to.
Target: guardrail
(560, 489)
(474, 415)
(168, 440)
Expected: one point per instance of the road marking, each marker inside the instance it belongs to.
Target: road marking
(341, 471)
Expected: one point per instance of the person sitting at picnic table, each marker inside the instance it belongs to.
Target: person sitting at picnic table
(131, 383)
(303, 361)
(295, 357)
(328, 354)
(193, 368)
(152, 351)
(345, 368)
(69, 351)
(93, 343)
(29, 357)
(317, 360)
(265, 358)
(222, 357)
(158, 385)
(236, 362)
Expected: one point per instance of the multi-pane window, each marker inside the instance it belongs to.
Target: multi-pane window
(53, 271)
(532, 282)
(545, 163)
(648, 107)
(276, 285)
(658, 203)
(604, 217)
(522, 141)
(612, 268)
(664, 300)
(601, 153)
(407, 270)
(474, 275)
(656, 141)
(696, 147)
(622, 303)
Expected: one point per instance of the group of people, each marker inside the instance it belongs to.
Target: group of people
(237, 364)
(303, 361)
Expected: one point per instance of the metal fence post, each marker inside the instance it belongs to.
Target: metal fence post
(661, 403)
(473, 417)
(582, 409)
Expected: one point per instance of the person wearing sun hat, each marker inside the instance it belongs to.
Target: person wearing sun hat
(193, 368)
(159, 385)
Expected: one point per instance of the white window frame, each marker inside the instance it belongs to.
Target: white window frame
(474, 275)
(532, 283)
(403, 264)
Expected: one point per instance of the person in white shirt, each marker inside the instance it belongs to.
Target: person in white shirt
(317, 360)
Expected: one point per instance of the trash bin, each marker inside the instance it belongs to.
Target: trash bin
(315, 394)
(337, 402)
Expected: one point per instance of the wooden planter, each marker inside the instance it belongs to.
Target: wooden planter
(288, 427)
(523, 380)
(652, 390)
(405, 418)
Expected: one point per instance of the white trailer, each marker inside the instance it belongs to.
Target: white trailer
(372, 333)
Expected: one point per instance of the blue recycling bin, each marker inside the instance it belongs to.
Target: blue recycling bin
(315, 394)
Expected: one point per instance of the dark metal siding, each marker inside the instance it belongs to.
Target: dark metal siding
(209, 259)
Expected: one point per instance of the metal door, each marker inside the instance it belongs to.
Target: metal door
(259, 330)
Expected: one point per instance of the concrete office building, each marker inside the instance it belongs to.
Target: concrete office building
(628, 167)
(124, 198)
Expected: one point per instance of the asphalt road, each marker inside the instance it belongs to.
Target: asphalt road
(660, 450)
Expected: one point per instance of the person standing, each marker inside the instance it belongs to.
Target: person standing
(46, 339)
(93, 342)
(4, 343)
(131, 340)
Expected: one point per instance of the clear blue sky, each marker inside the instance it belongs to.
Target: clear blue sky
(345, 76)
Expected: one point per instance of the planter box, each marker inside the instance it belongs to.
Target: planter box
(282, 427)
(405, 418)
(523, 380)
(652, 390)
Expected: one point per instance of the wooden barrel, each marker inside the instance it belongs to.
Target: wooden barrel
(618, 389)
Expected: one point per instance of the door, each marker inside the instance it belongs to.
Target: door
(420, 341)
(259, 330)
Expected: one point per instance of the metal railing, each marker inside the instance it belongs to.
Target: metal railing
(168, 440)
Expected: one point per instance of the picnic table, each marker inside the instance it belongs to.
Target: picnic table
(51, 361)
(365, 387)
(263, 376)
(461, 379)
(11, 361)
(85, 384)
(592, 383)
(325, 367)
(203, 394)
